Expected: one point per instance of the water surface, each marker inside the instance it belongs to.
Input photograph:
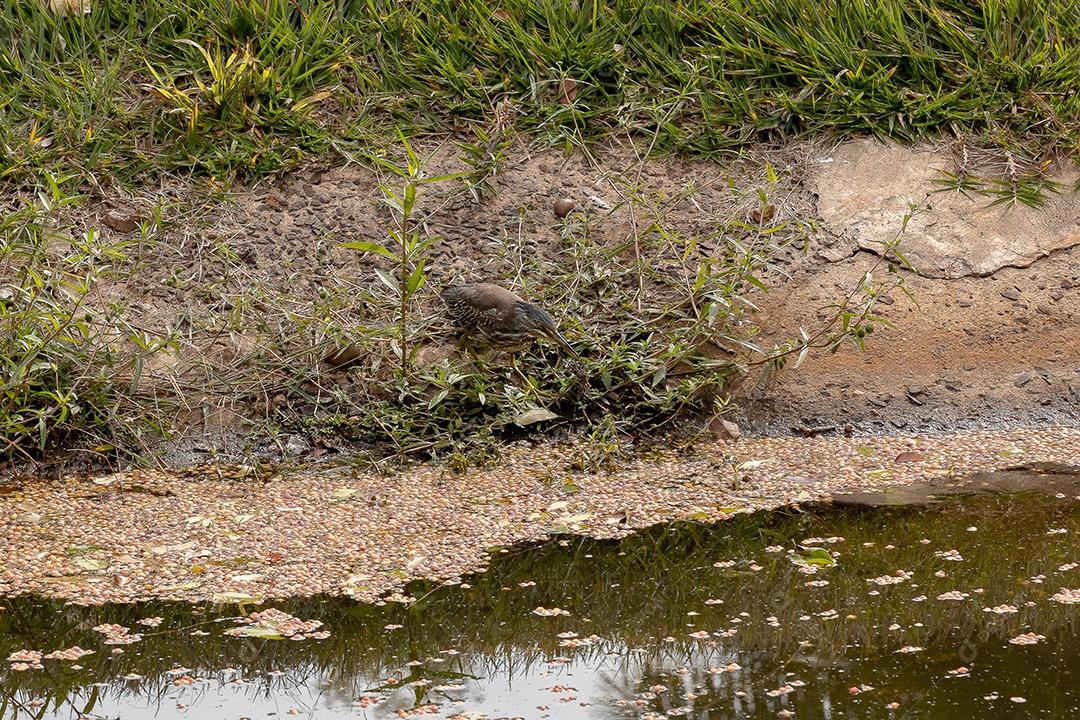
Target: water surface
(744, 619)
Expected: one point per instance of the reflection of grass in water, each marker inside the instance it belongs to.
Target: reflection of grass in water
(635, 593)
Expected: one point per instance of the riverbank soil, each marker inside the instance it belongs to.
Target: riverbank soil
(985, 335)
(983, 338)
(988, 336)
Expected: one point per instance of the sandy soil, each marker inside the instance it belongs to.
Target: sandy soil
(964, 356)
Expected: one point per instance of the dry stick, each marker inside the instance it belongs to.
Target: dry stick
(637, 242)
(402, 290)
(520, 249)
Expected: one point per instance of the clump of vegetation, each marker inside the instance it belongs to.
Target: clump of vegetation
(63, 363)
(661, 321)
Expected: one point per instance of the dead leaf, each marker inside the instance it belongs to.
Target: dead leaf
(184, 586)
(342, 493)
(237, 597)
(91, 564)
(567, 91)
(534, 416)
(618, 518)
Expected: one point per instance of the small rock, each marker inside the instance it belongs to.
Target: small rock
(885, 299)
(1010, 294)
(341, 357)
(916, 390)
(1046, 375)
(729, 430)
(1023, 379)
(964, 302)
(295, 445)
(563, 206)
(120, 224)
(763, 214)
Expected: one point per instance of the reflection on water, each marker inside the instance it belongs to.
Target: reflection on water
(737, 620)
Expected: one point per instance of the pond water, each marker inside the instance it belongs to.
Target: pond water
(951, 611)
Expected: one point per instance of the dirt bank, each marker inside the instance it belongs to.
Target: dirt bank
(988, 336)
(259, 288)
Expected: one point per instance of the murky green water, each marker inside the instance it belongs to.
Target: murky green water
(695, 621)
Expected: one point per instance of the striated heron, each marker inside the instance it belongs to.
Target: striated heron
(498, 317)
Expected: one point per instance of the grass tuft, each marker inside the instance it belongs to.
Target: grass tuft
(134, 89)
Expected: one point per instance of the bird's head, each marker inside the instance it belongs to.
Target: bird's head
(540, 323)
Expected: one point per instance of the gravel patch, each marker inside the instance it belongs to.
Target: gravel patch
(215, 534)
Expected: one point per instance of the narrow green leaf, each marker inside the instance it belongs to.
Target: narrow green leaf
(368, 246)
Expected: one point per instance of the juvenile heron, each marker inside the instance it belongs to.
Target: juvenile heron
(498, 317)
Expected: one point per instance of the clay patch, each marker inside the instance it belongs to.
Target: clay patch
(865, 187)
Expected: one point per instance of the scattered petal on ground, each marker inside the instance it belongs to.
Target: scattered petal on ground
(1067, 596)
(72, 653)
(295, 542)
(1001, 609)
(1028, 638)
(274, 621)
(953, 595)
(552, 612)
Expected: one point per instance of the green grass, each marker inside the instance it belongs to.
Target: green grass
(227, 88)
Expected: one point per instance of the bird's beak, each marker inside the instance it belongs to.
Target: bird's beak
(558, 339)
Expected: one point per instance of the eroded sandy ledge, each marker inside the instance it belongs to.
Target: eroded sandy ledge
(205, 536)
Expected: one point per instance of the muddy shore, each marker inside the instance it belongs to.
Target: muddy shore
(221, 536)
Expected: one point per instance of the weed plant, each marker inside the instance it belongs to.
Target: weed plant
(65, 365)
